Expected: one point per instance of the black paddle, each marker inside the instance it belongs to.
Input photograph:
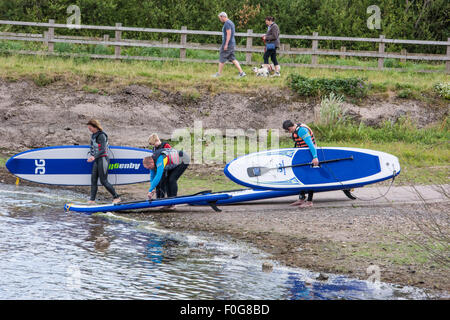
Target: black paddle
(258, 171)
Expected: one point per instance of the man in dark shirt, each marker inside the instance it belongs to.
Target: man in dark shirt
(228, 46)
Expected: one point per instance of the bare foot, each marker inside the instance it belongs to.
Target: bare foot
(117, 200)
(297, 203)
(306, 204)
(91, 202)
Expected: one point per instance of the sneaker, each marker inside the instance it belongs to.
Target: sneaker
(276, 74)
(241, 75)
(216, 75)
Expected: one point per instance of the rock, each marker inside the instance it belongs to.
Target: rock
(267, 267)
(101, 243)
(322, 277)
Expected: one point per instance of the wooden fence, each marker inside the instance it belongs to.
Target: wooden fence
(49, 37)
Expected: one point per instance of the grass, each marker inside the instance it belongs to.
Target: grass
(184, 76)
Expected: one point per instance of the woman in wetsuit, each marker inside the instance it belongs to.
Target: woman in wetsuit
(100, 158)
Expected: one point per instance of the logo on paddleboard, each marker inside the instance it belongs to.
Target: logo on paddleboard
(40, 166)
(114, 166)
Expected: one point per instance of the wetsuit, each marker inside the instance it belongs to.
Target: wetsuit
(174, 163)
(161, 189)
(304, 138)
(99, 150)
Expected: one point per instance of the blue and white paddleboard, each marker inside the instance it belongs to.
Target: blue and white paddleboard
(67, 165)
(208, 199)
(202, 199)
(289, 169)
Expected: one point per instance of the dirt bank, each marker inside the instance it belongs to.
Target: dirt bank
(35, 116)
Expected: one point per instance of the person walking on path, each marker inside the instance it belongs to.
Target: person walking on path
(272, 43)
(228, 46)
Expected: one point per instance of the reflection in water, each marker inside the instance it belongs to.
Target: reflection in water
(46, 253)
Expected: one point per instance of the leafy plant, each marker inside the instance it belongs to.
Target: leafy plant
(442, 89)
(354, 87)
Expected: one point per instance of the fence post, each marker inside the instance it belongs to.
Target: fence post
(448, 57)
(381, 50)
(343, 49)
(315, 45)
(50, 36)
(118, 37)
(403, 53)
(183, 43)
(106, 39)
(248, 55)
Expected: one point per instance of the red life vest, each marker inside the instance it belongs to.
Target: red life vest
(299, 142)
(171, 155)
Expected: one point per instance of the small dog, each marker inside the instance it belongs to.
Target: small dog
(264, 71)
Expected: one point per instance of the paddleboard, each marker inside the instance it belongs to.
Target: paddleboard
(67, 165)
(341, 169)
(208, 199)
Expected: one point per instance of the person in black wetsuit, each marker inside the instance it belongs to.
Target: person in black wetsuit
(156, 144)
(100, 158)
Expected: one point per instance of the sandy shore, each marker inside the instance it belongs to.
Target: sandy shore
(404, 239)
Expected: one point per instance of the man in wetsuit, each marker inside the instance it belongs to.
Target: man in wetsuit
(155, 143)
(303, 138)
(100, 158)
(173, 162)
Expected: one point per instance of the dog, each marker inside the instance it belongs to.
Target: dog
(263, 71)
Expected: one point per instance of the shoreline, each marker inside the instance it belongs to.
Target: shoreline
(338, 237)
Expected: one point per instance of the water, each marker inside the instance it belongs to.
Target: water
(46, 253)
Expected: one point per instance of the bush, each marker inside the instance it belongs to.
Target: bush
(354, 87)
(442, 89)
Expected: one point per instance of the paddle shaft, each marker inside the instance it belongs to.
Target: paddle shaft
(309, 163)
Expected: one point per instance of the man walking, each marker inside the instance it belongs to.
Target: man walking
(228, 46)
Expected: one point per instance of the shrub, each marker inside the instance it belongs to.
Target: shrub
(442, 89)
(354, 87)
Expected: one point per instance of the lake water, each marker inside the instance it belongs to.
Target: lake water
(46, 253)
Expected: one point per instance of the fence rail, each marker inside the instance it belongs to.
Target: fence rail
(50, 38)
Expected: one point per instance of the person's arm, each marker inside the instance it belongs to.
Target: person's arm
(156, 174)
(304, 134)
(227, 40)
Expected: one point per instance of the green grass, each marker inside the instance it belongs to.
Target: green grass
(183, 76)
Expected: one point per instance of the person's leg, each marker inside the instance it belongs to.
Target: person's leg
(94, 181)
(308, 202)
(103, 175)
(173, 176)
(301, 199)
(221, 64)
(238, 66)
(273, 57)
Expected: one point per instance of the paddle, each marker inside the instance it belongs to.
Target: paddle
(258, 171)
(167, 198)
